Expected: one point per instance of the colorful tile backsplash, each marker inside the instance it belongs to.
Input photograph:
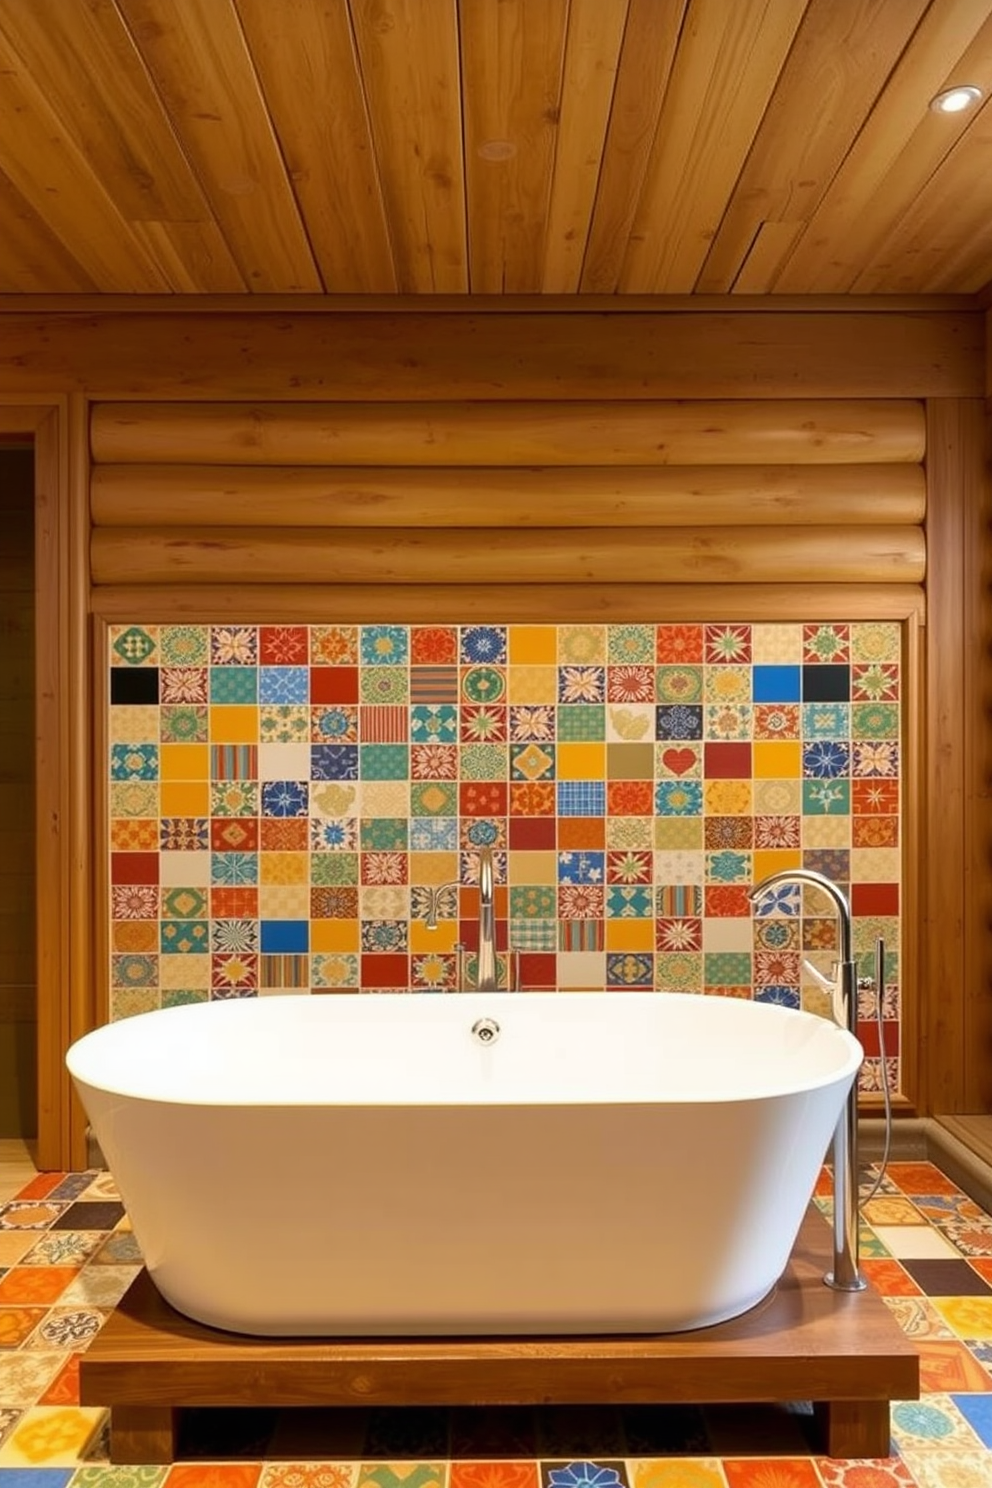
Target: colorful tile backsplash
(298, 807)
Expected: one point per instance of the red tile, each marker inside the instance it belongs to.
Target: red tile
(875, 899)
(385, 970)
(727, 761)
(134, 868)
(338, 684)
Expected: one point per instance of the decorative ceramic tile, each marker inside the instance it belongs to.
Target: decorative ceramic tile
(387, 739)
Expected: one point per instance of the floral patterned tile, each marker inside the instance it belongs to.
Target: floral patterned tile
(933, 1422)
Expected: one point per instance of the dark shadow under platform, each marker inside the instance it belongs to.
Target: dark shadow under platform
(842, 1351)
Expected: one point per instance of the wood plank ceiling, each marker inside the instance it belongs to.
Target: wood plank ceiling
(494, 147)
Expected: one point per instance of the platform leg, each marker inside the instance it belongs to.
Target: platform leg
(853, 1428)
(142, 1434)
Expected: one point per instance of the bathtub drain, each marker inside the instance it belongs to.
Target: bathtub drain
(486, 1030)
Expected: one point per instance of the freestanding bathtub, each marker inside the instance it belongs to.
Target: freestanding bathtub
(362, 1165)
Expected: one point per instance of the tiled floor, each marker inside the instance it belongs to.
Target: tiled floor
(67, 1255)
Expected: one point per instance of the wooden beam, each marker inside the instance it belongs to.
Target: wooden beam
(422, 603)
(424, 357)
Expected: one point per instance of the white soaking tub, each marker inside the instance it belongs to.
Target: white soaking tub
(362, 1165)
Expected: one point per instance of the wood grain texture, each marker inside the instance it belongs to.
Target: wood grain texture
(409, 59)
(201, 68)
(944, 989)
(513, 433)
(894, 155)
(423, 358)
(329, 152)
(455, 603)
(730, 56)
(436, 147)
(577, 496)
(842, 55)
(512, 55)
(732, 555)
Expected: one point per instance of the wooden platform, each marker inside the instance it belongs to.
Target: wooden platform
(842, 1351)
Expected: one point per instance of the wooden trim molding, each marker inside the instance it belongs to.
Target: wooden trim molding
(956, 961)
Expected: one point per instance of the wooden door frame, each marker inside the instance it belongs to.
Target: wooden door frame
(63, 755)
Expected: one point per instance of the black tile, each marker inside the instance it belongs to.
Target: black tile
(90, 1214)
(137, 685)
(950, 1278)
(826, 684)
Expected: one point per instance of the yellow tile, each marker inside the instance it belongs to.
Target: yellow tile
(51, 1436)
(777, 759)
(533, 867)
(970, 1317)
(184, 762)
(630, 935)
(424, 941)
(283, 867)
(533, 644)
(186, 798)
(433, 867)
(234, 723)
(586, 761)
(773, 860)
(334, 935)
(532, 684)
(727, 797)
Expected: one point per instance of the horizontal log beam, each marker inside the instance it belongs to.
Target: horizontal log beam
(663, 354)
(590, 432)
(672, 555)
(503, 604)
(628, 496)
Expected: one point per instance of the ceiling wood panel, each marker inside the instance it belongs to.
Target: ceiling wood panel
(895, 154)
(493, 147)
(843, 52)
(409, 59)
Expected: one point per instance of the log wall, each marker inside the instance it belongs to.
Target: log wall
(523, 463)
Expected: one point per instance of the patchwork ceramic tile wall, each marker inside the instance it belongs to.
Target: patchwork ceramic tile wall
(301, 807)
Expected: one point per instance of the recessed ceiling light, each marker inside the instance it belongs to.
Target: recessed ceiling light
(954, 100)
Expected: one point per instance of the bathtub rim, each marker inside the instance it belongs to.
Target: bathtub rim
(475, 1004)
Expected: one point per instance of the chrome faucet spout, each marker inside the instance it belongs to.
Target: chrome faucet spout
(486, 978)
(846, 1275)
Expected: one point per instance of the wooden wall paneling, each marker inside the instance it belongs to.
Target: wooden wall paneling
(483, 496)
(79, 761)
(584, 431)
(944, 991)
(912, 829)
(974, 438)
(549, 604)
(675, 555)
(428, 356)
(52, 783)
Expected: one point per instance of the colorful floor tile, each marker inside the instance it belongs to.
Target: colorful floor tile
(67, 1254)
